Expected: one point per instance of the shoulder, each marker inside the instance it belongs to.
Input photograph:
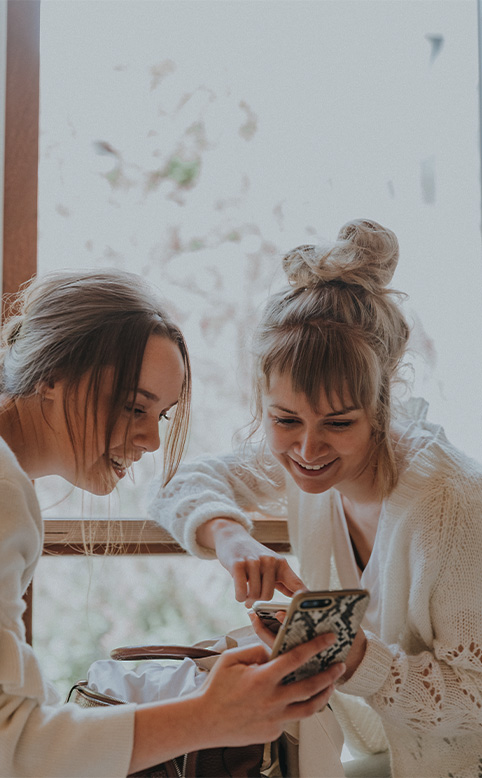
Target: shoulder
(440, 464)
(439, 482)
(18, 502)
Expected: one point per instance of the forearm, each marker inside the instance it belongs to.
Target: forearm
(165, 730)
(219, 530)
(64, 739)
(422, 691)
(209, 489)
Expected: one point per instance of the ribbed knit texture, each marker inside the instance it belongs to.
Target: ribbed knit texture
(40, 738)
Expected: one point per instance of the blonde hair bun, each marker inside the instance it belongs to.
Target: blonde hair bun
(365, 254)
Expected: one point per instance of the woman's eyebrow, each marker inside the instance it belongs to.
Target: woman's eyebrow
(148, 395)
(280, 408)
(154, 398)
(333, 413)
(342, 411)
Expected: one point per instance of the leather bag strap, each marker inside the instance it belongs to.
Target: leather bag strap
(161, 652)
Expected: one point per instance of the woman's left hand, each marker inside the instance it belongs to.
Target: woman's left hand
(267, 635)
(356, 654)
(354, 658)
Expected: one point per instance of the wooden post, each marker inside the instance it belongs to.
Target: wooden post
(21, 161)
(21, 144)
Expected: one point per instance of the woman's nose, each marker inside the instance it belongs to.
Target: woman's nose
(311, 446)
(148, 437)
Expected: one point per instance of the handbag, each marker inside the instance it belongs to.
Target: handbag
(251, 761)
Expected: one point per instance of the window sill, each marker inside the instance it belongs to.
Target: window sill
(138, 536)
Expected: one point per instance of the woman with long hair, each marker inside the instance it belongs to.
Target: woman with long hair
(91, 364)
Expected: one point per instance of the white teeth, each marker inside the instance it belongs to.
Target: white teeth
(119, 464)
(309, 467)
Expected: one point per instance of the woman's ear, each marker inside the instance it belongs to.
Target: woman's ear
(48, 390)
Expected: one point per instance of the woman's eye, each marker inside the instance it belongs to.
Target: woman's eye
(340, 425)
(134, 411)
(285, 421)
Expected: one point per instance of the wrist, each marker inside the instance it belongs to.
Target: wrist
(213, 531)
(163, 730)
(355, 657)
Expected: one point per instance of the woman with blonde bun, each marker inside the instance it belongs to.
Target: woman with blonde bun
(90, 365)
(375, 497)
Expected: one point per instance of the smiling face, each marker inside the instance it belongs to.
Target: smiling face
(330, 446)
(86, 463)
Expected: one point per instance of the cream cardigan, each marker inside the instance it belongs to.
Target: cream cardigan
(39, 737)
(422, 674)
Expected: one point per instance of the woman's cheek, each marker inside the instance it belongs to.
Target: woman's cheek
(269, 432)
(277, 441)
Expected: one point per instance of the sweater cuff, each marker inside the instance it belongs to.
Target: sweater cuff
(200, 516)
(372, 671)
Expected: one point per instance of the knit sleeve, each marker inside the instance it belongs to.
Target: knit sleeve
(435, 684)
(66, 740)
(34, 729)
(219, 486)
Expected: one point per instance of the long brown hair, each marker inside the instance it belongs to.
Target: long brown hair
(68, 325)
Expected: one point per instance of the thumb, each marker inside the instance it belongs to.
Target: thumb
(252, 655)
(288, 582)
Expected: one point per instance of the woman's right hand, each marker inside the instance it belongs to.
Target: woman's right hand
(256, 570)
(245, 700)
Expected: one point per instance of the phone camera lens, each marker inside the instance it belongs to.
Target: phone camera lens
(324, 603)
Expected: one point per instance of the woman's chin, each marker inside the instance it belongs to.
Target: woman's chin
(103, 491)
(99, 486)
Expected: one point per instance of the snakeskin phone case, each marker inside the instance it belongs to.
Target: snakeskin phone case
(315, 613)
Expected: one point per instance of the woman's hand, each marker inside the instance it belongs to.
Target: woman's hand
(267, 635)
(256, 570)
(244, 697)
(243, 701)
(356, 654)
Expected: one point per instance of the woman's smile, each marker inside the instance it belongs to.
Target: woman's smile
(314, 470)
(120, 465)
(330, 446)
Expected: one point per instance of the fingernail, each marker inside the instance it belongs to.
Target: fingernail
(330, 639)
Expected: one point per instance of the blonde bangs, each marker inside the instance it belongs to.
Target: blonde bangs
(325, 358)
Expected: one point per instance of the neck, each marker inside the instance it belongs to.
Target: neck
(24, 428)
(362, 490)
(362, 521)
(362, 513)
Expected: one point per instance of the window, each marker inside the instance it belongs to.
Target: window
(194, 142)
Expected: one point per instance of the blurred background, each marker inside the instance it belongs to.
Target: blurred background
(195, 141)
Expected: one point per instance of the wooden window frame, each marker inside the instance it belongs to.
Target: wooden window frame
(21, 144)
(20, 191)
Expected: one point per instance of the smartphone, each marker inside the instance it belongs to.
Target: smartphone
(315, 613)
(266, 612)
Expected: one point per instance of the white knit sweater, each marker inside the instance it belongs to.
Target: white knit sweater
(422, 673)
(39, 737)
